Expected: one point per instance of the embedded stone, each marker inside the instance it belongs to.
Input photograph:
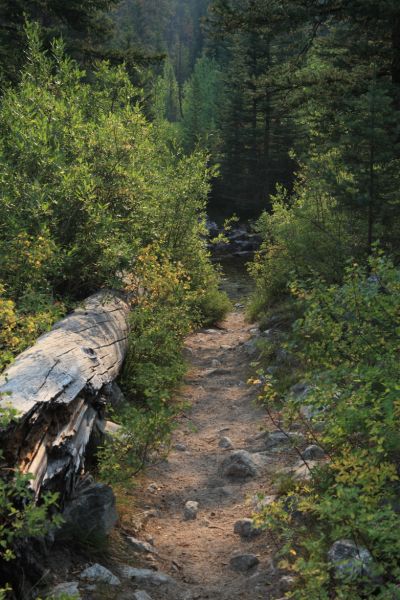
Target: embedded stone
(225, 443)
(190, 511)
(246, 528)
(243, 562)
(239, 465)
(349, 560)
(313, 452)
(98, 573)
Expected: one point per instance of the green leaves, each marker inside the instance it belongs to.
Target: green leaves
(348, 345)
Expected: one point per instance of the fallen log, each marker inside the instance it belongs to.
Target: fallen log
(60, 387)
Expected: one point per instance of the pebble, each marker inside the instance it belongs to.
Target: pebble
(215, 363)
(225, 443)
(243, 562)
(100, 574)
(180, 447)
(246, 529)
(190, 511)
(225, 347)
(140, 546)
(152, 488)
(287, 583)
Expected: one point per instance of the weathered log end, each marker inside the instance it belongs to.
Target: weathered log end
(57, 388)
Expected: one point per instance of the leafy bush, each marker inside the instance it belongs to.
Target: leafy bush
(21, 326)
(86, 181)
(143, 436)
(164, 313)
(213, 305)
(347, 342)
(20, 516)
(305, 234)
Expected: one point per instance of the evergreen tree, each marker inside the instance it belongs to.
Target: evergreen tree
(165, 95)
(256, 134)
(84, 26)
(202, 101)
(368, 151)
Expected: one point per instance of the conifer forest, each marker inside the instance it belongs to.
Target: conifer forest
(199, 299)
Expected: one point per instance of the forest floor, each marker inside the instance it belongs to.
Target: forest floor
(196, 554)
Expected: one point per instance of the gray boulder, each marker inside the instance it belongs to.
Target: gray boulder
(140, 546)
(243, 562)
(190, 511)
(313, 452)
(250, 348)
(261, 501)
(282, 357)
(98, 574)
(91, 513)
(300, 390)
(277, 440)
(246, 529)
(302, 471)
(239, 465)
(114, 395)
(349, 560)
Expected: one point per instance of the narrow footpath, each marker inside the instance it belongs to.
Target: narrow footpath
(221, 461)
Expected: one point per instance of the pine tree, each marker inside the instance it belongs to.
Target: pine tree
(84, 26)
(165, 95)
(202, 100)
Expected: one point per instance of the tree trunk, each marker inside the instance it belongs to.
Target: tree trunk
(396, 56)
(59, 388)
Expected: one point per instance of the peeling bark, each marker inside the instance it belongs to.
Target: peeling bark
(59, 389)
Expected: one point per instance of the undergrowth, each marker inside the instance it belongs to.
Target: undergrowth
(345, 347)
(163, 314)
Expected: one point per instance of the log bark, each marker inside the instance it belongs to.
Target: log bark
(60, 387)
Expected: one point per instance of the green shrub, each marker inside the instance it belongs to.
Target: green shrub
(304, 235)
(20, 516)
(87, 182)
(347, 342)
(162, 316)
(213, 306)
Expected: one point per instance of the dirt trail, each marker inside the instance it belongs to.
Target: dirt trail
(197, 553)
